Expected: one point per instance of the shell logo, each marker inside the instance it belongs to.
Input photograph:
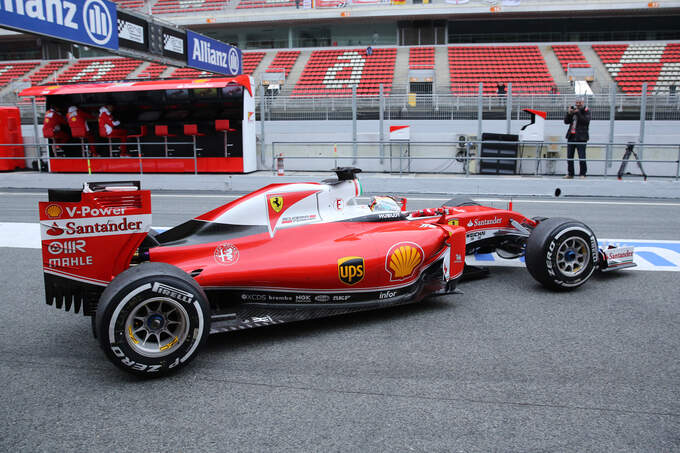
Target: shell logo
(53, 211)
(403, 260)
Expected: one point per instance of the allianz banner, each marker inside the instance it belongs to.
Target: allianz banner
(212, 55)
(90, 22)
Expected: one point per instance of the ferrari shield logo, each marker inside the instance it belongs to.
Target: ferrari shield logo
(351, 269)
(277, 203)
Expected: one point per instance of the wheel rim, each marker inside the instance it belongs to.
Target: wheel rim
(572, 256)
(156, 327)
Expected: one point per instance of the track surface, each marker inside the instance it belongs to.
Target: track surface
(506, 366)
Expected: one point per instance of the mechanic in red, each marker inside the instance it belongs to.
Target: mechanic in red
(108, 128)
(54, 127)
(77, 121)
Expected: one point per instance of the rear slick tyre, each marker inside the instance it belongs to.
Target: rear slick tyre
(152, 319)
(561, 254)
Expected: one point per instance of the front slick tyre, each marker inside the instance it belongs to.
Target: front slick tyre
(152, 319)
(561, 254)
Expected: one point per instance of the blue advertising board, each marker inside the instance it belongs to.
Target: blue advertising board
(212, 55)
(90, 22)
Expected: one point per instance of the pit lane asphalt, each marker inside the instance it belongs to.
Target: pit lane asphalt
(506, 366)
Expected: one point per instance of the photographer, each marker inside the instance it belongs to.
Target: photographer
(578, 119)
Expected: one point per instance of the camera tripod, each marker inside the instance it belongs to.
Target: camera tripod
(630, 149)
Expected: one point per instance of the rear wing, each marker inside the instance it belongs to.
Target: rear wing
(88, 237)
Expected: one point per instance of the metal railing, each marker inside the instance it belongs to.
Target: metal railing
(463, 158)
(604, 159)
(40, 155)
(453, 107)
(439, 106)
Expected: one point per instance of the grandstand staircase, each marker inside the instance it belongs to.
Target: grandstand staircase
(554, 66)
(7, 89)
(400, 79)
(263, 65)
(142, 67)
(296, 72)
(167, 72)
(602, 77)
(441, 70)
(55, 75)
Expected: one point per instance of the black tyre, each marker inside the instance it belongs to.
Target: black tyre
(561, 253)
(152, 319)
(460, 201)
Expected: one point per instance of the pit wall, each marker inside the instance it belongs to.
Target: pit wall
(439, 157)
(662, 137)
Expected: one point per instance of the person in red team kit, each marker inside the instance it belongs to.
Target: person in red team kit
(77, 121)
(108, 128)
(54, 128)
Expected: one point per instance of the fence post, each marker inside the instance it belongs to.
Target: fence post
(643, 117)
(263, 147)
(381, 114)
(35, 131)
(480, 106)
(612, 118)
(354, 125)
(467, 157)
(273, 156)
(508, 109)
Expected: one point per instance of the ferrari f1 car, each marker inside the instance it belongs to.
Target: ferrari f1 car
(286, 252)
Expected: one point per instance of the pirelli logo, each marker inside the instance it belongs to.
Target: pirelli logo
(172, 292)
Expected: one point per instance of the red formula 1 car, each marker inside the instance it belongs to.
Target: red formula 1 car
(286, 252)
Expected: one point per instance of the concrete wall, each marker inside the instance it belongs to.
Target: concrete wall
(439, 157)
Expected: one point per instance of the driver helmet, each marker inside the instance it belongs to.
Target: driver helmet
(379, 204)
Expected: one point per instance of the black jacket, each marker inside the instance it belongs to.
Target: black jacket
(582, 124)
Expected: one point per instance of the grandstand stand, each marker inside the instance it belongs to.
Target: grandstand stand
(99, 70)
(523, 66)
(251, 60)
(421, 58)
(130, 4)
(632, 65)
(187, 6)
(284, 60)
(11, 71)
(570, 54)
(188, 73)
(153, 71)
(333, 72)
(243, 4)
(46, 71)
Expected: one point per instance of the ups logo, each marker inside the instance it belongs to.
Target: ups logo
(351, 269)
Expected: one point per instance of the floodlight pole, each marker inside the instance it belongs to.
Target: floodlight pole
(354, 125)
(262, 142)
(612, 118)
(643, 117)
(480, 101)
(508, 109)
(381, 135)
(35, 132)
